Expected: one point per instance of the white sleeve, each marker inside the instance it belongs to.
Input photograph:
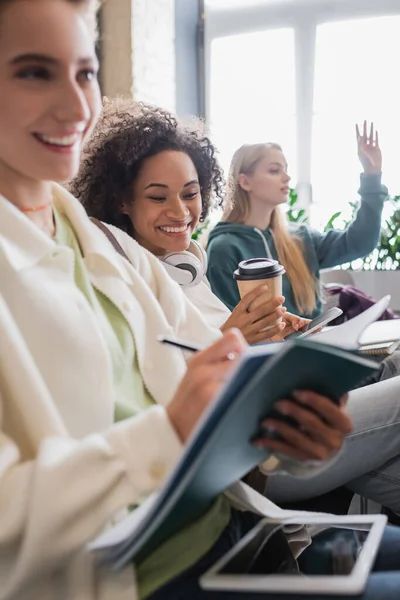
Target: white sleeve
(184, 317)
(53, 505)
(278, 464)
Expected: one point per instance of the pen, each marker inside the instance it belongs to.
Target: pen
(182, 344)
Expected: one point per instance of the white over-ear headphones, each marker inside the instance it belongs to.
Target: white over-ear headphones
(186, 268)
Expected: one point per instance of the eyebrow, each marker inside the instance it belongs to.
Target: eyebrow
(47, 60)
(162, 185)
(278, 164)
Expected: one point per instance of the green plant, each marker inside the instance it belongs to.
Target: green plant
(386, 255)
(343, 223)
(293, 214)
(331, 224)
(201, 228)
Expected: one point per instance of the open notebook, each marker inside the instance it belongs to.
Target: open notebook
(378, 338)
(220, 452)
(381, 338)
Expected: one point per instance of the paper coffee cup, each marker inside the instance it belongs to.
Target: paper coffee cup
(257, 271)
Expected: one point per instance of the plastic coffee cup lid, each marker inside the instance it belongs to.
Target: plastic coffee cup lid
(258, 268)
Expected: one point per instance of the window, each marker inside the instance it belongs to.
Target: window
(357, 77)
(226, 4)
(252, 92)
(302, 73)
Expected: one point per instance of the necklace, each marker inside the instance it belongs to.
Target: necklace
(36, 208)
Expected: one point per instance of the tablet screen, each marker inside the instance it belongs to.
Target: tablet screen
(333, 550)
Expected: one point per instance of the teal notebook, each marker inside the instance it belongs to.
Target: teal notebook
(219, 452)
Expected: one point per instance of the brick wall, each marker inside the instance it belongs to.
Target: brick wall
(138, 49)
(116, 48)
(154, 51)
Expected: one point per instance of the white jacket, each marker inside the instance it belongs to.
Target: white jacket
(65, 470)
(200, 294)
(213, 310)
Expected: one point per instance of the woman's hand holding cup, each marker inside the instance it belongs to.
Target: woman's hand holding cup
(258, 317)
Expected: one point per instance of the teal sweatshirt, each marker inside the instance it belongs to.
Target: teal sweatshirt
(229, 243)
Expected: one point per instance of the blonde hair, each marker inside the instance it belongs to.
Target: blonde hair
(289, 247)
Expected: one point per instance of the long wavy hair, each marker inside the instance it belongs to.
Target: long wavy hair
(288, 246)
(128, 133)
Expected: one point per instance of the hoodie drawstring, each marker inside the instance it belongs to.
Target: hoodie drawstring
(264, 239)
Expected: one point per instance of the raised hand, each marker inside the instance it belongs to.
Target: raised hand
(369, 152)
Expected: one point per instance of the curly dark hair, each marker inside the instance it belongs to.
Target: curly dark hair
(128, 133)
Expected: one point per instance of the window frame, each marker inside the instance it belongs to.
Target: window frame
(304, 16)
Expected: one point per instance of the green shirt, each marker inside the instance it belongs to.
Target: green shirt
(185, 548)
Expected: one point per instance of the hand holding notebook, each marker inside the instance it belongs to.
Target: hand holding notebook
(220, 449)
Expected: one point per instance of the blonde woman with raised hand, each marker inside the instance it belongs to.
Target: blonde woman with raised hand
(254, 225)
(78, 347)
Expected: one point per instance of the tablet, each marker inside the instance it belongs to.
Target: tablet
(338, 557)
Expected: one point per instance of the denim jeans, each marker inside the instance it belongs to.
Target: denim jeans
(383, 584)
(390, 367)
(369, 463)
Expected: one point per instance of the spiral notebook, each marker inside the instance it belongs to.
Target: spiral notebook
(381, 338)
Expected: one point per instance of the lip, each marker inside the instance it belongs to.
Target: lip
(58, 148)
(176, 225)
(61, 132)
(285, 190)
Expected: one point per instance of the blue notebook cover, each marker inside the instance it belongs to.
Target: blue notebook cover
(220, 451)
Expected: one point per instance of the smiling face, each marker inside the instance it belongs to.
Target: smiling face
(269, 181)
(49, 96)
(166, 203)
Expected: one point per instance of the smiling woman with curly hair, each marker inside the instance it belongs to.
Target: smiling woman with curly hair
(128, 134)
(155, 177)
